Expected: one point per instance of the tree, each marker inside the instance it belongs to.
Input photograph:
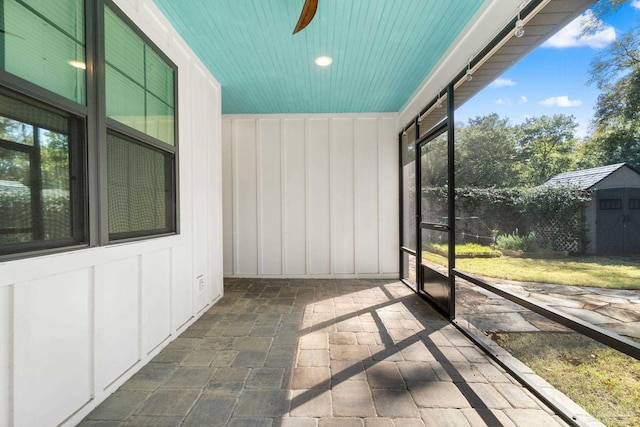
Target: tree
(547, 146)
(616, 123)
(485, 153)
(434, 162)
(14, 165)
(54, 153)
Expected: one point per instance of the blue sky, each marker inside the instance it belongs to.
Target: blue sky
(553, 78)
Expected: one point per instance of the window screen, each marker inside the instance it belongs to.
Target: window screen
(140, 189)
(139, 84)
(41, 193)
(43, 41)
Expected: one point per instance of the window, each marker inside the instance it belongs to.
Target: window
(140, 188)
(140, 140)
(611, 204)
(43, 42)
(48, 125)
(140, 84)
(41, 184)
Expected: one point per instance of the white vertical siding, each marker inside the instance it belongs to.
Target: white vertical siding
(311, 195)
(156, 293)
(52, 348)
(227, 196)
(245, 197)
(6, 352)
(388, 185)
(270, 196)
(74, 326)
(367, 216)
(117, 319)
(343, 197)
(318, 205)
(294, 205)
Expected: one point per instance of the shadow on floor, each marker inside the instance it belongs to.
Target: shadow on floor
(320, 353)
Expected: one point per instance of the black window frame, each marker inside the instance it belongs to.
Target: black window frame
(77, 176)
(109, 125)
(604, 336)
(170, 179)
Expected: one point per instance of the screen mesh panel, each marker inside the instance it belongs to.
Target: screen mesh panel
(24, 114)
(35, 177)
(139, 84)
(15, 197)
(43, 42)
(137, 188)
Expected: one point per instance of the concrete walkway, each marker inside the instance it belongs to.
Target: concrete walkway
(321, 353)
(615, 310)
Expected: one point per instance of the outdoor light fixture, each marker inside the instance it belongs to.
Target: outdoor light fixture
(439, 101)
(323, 61)
(469, 72)
(519, 31)
(404, 132)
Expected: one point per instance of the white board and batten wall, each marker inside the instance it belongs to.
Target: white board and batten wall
(310, 196)
(74, 326)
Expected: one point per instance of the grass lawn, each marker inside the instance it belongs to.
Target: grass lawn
(605, 382)
(593, 271)
(467, 250)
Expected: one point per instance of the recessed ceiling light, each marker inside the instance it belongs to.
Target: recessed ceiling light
(323, 61)
(78, 64)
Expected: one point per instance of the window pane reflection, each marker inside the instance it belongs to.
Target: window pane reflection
(409, 191)
(434, 180)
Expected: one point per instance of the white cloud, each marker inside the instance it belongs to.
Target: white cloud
(636, 4)
(500, 82)
(572, 35)
(560, 101)
(503, 101)
(523, 99)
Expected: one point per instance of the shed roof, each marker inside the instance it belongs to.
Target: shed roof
(584, 179)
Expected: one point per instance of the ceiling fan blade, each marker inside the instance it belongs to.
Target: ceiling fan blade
(308, 12)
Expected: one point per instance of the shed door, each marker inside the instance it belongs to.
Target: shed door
(618, 222)
(632, 224)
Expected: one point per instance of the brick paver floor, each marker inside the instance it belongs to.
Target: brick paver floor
(321, 353)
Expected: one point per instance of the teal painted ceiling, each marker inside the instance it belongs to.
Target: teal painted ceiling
(382, 50)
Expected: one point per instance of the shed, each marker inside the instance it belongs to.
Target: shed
(613, 214)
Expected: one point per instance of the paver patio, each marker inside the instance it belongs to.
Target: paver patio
(342, 353)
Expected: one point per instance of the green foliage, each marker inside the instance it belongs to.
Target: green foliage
(516, 242)
(56, 214)
(486, 152)
(467, 250)
(14, 165)
(557, 202)
(598, 272)
(15, 213)
(602, 380)
(546, 147)
(434, 163)
(491, 152)
(526, 209)
(616, 72)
